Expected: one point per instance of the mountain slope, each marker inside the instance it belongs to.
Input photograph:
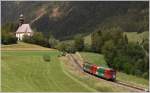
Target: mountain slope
(65, 19)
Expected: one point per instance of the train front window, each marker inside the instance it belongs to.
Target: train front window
(113, 74)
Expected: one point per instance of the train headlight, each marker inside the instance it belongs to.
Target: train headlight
(114, 76)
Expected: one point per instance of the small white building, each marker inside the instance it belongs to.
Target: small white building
(23, 29)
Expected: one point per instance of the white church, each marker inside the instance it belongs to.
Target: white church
(23, 29)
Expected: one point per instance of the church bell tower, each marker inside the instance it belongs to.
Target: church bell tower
(21, 19)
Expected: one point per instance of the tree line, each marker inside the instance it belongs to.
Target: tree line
(50, 42)
(120, 54)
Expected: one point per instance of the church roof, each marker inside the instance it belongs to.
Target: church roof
(24, 28)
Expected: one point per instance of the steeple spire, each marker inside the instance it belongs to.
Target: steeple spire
(21, 19)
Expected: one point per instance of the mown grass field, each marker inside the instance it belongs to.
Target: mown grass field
(99, 60)
(27, 71)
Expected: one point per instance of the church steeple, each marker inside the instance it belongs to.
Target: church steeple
(21, 19)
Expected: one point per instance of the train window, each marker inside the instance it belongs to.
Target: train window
(113, 73)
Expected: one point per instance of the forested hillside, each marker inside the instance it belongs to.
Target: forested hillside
(65, 19)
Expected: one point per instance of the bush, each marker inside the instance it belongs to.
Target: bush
(61, 47)
(27, 39)
(37, 38)
(146, 75)
(8, 38)
(66, 47)
(47, 58)
(53, 42)
(8, 33)
(79, 42)
(87, 48)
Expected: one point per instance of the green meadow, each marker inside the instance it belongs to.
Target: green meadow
(137, 37)
(26, 71)
(94, 58)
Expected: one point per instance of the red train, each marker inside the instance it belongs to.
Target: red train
(106, 73)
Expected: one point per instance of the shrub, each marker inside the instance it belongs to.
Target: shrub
(146, 75)
(53, 42)
(27, 39)
(87, 48)
(7, 33)
(46, 58)
(79, 42)
(8, 38)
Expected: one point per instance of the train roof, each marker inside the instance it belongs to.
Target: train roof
(98, 66)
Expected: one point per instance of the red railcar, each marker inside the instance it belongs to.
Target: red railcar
(94, 69)
(110, 74)
(100, 71)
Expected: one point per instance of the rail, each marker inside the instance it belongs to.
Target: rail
(117, 81)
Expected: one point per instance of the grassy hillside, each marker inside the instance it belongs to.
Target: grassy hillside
(23, 46)
(134, 36)
(65, 19)
(27, 71)
(94, 58)
(99, 59)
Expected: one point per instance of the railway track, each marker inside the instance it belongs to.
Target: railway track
(128, 85)
(120, 83)
(70, 56)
